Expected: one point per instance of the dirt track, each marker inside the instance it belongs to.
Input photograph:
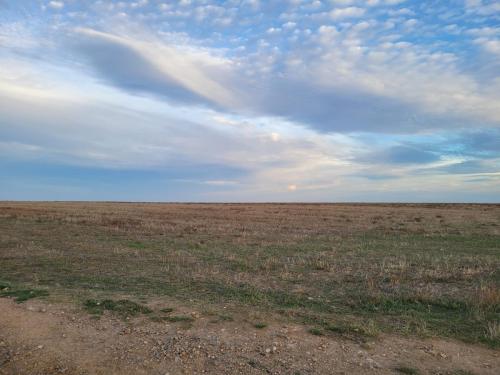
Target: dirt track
(38, 338)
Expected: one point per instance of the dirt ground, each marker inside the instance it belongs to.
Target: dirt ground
(41, 338)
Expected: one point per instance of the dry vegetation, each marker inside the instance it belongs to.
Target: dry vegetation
(348, 270)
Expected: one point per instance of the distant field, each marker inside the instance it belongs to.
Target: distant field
(339, 269)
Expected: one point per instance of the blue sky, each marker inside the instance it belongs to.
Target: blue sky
(248, 100)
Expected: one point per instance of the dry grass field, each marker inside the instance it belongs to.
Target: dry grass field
(354, 273)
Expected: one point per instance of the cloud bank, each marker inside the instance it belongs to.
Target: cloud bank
(281, 100)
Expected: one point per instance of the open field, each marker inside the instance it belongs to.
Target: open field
(359, 276)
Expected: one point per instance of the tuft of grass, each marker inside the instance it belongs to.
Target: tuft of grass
(368, 330)
(220, 317)
(124, 308)
(316, 331)
(158, 319)
(492, 334)
(407, 370)
(260, 325)
(460, 372)
(22, 295)
(487, 297)
(136, 245)
(179, 318)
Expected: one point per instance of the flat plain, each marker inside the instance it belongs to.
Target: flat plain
(249, 288)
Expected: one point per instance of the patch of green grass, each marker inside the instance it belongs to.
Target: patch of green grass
(217, 318)
(442, 316)
(22, 295)
(179, 318)
(250, 295)
(407, 370)
(158, 319)
(124, 308)
(260, 325)
(136, 245)
(460, 372)
(369, 329)
(342, 329)
(316, 331)
(398, 304)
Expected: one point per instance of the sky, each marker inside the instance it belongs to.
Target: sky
(250, 100)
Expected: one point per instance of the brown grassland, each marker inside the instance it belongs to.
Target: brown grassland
(342, 271)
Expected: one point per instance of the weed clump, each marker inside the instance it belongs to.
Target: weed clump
(316, 332)
(369, 330)
(124, 308)
(21, 295)
(179, 318)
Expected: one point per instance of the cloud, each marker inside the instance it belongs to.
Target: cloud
(485, 8)
(56, 4)
(400, 154)
(489, 45)
(394, 2)
(150, 66)
(335, 90)
(326, 100)
(473, 167)
(349, 12)
(478, 143)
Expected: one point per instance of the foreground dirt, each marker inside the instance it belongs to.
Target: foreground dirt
(41, 338)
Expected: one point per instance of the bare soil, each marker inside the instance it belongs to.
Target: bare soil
(41, 338)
